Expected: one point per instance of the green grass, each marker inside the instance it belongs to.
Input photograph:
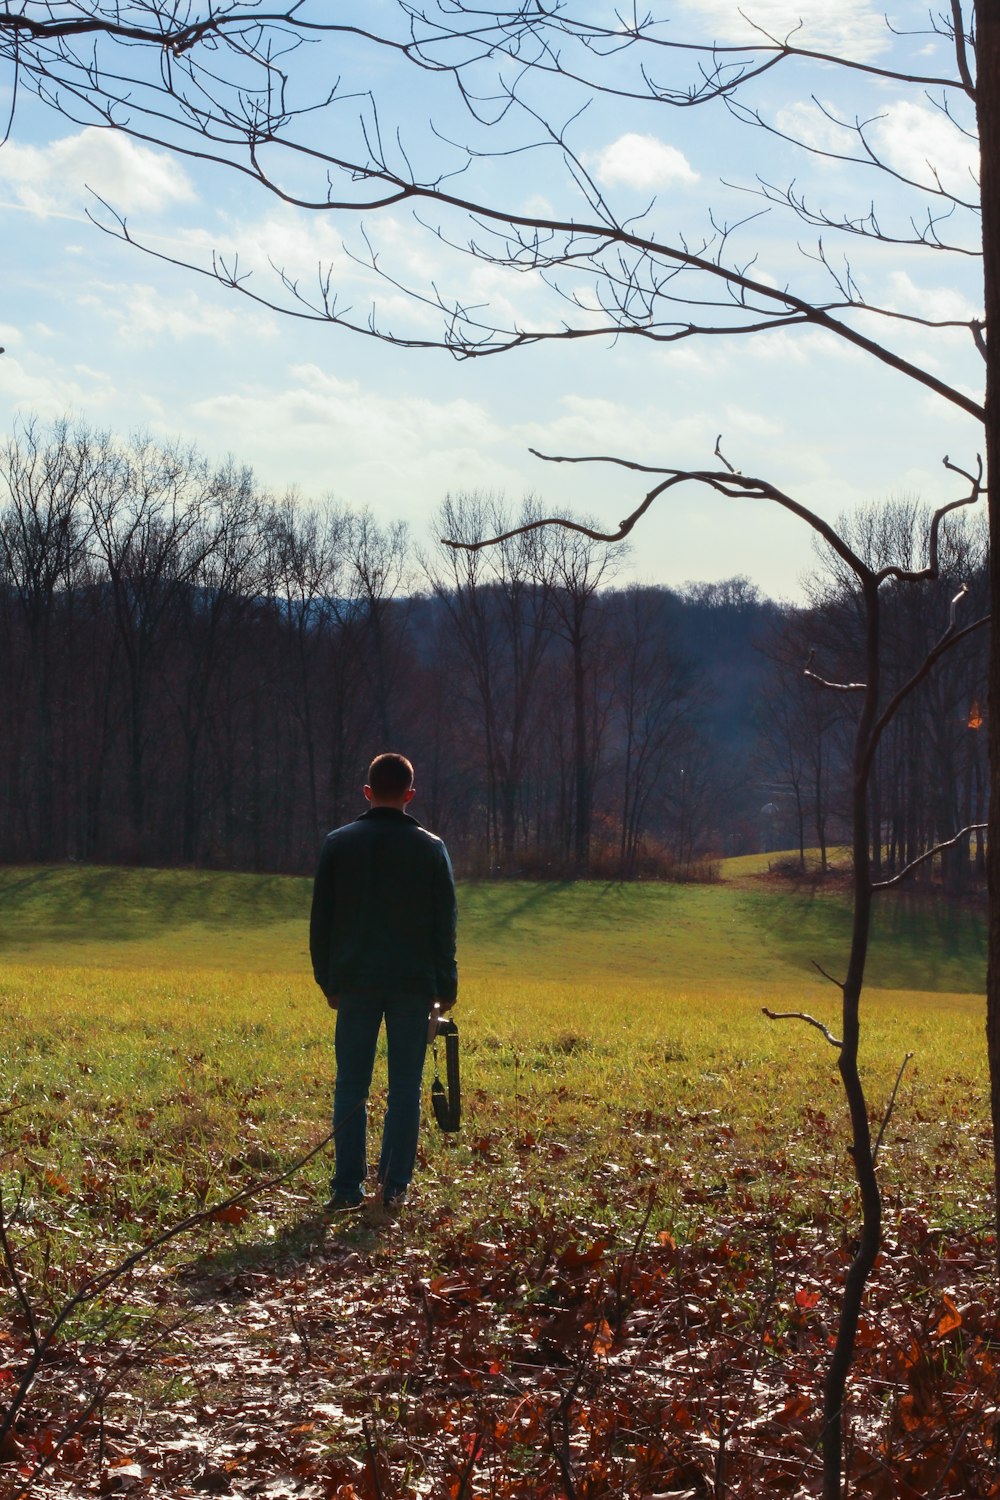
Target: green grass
(163, 1045)
(163, 1041)
(743, 865)
(728, 937)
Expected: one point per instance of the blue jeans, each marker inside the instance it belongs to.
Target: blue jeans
(359, 1017)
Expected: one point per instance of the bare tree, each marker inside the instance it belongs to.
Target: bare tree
(924, 778)
(307, 556)
(655, 700)
(499, 604)
(227, 574)
(223, 90)
(230, 86)
(876, 710)
(41, 546)
(146, 506)
(578, 570)
(379, 558)
(797, 727)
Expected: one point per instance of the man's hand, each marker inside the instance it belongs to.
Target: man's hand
(442, 1005)
(331, 1000)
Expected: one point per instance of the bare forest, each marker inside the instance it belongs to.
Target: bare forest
(195, 671)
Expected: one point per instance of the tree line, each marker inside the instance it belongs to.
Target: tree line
(197, 671)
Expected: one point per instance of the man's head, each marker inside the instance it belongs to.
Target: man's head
(390, 780)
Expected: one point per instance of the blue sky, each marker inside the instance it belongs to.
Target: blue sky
(94, 328)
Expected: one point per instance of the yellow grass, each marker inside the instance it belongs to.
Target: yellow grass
(159, 1021)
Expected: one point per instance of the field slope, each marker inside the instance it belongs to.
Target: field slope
(628, 997)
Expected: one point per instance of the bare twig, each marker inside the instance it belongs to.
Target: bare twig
(138, 1347)
(92, 1287)
(374, 1453)
(626, 1270)
(561, 1449)
(475, 1453)
(722, 457)
(800, 1015)
(820, 970)
(889, 1107)
(15, 1276)
(932, 570)
(719, 1486)
(953, 610)
(835, 687)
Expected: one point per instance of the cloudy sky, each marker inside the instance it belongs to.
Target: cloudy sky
(117, 338)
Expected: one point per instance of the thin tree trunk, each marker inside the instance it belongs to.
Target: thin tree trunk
(861, 1145)
(988, 113)
(581, 764)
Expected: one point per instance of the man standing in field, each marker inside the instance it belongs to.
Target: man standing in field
(382, 942)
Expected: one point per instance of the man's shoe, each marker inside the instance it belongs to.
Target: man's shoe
(342, 1203)
(393, 1202)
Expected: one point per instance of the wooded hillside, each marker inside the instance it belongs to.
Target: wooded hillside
(195, 671)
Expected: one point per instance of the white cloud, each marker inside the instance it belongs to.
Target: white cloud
(742, 419)
(144, 316)
(47, 389)
(938, 303)
(588, 425)
(641, 161)
(793, 347)
(852, 28)
(330, 433)
(811, 124)
(536, 205)
(919, 142)
(53, 179)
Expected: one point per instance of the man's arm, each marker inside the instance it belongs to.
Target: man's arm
(444, 936)
(321, 921)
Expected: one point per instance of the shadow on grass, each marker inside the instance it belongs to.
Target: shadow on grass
(918, 942)
(496, 907)
(282, 1256)
(80, 902)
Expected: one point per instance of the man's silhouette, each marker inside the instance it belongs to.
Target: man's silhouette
(382, 941)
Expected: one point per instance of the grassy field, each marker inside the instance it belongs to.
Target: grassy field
(186, 999)
(163, 1046)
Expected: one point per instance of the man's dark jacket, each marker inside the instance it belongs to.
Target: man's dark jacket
(383, 910)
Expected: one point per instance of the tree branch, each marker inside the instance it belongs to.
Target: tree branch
(94, 1285)
(800, 1015)
(915, 575)
(889, 1108)
(820, 970)
(15, 1276)
(884, 885)
(731, 483)
(950, 638)
(836, 687)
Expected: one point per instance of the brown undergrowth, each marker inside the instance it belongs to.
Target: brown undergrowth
(530, 1353)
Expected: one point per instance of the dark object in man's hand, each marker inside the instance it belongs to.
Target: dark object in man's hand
(447, 1103)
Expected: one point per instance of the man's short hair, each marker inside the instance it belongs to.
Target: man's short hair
(390, 774)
